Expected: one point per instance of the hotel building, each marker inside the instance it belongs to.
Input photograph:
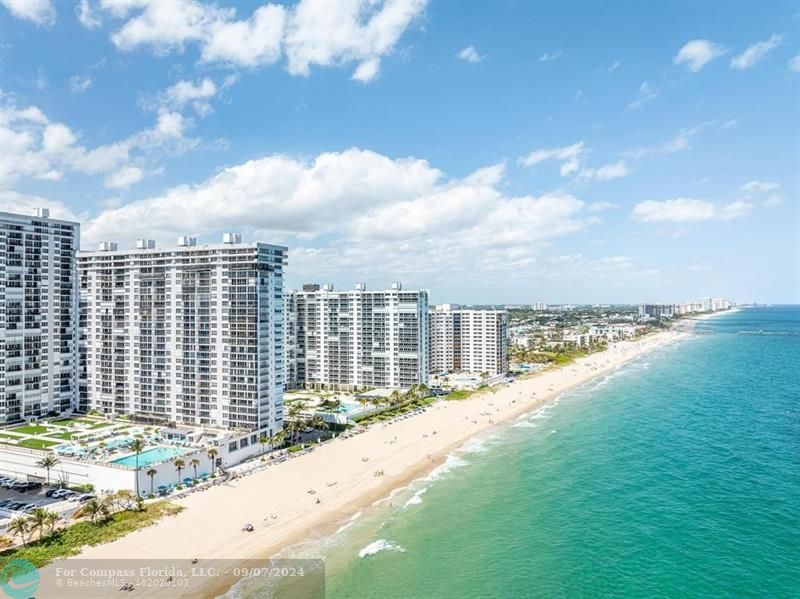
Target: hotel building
(356, 339)
(468, 340)
(190, 335)
(38, 315)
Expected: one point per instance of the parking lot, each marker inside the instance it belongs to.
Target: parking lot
(15, 503)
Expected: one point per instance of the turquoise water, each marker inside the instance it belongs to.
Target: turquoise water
(676, 476)
(150, 456)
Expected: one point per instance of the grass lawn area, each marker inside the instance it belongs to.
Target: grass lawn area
(457, 395)
(66, 421)
(69, 542)
(37, 443)
(101, 424)
(64, 436)
(7, 436)
(29, 429)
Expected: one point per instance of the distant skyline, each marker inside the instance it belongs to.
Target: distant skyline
(511, 152)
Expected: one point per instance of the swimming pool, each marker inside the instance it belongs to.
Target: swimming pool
(150, 456)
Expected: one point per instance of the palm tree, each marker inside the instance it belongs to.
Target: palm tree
(38, 519)
(263, 439)
(212, 453)
(47, 462)
(126, 498)
(19, 527)
(137, 446)
(423, 390)
(52, 520)
(278, 439)
(93, 509)
(152, 473)
(194, 463)
(319, 423)
(179, 466)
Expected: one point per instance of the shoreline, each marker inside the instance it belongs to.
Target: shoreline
(342, 475)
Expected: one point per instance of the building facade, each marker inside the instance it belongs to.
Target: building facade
(191, 334)
(356, 339)
(464, 340)
(38, 315)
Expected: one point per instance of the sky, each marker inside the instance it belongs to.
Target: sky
(491, 152)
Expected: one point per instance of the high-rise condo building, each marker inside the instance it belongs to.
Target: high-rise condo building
(38, 315)
(464, 340)
(191, 334)
(356, 339)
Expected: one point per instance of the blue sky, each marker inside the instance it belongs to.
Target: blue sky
(488, 151)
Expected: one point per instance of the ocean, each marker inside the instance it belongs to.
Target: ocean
(676, 476)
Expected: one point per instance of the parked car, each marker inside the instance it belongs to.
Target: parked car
(5, 502)
(16, 505)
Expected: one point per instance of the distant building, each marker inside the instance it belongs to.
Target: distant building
(656, 311)
(468, 340)
(191, 334)
(539, 307)
(38, 315)
(356, 339)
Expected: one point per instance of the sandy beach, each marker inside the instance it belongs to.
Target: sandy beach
(342, 474)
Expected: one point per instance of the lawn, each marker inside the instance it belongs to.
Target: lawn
(30, 429)
(37, 443)
(70, 541)
(101, 424)
(65, 436)
(67, 421)
(7, 436)
(457, 395)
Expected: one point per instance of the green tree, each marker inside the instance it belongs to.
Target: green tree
(19, 527)
(278, 439)
(152, 473)
(194, 464)
(137, 446)
(179, 466)
(38, 519)
(47, 462)
(212, 454)
(263, 439)
(94, 509)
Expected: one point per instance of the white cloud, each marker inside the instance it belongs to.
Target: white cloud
(21, 203)
(678, 143)
(549, 57)
(36, 148)
(124, 178)
(367, 70)
(697, 53)
(794, 64)
(79, 83)
(86, 16)
(736, 209)
(184, 93)
(759, 187)
(688, 210)
(470, 54)
(326, 34)
(606, 172)
(378, 208)
(614, 66)
(248, 43)
(772, 201)
(646, 93)
(756, 52)
(569, 156)
(601, 206)
(40, 12)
